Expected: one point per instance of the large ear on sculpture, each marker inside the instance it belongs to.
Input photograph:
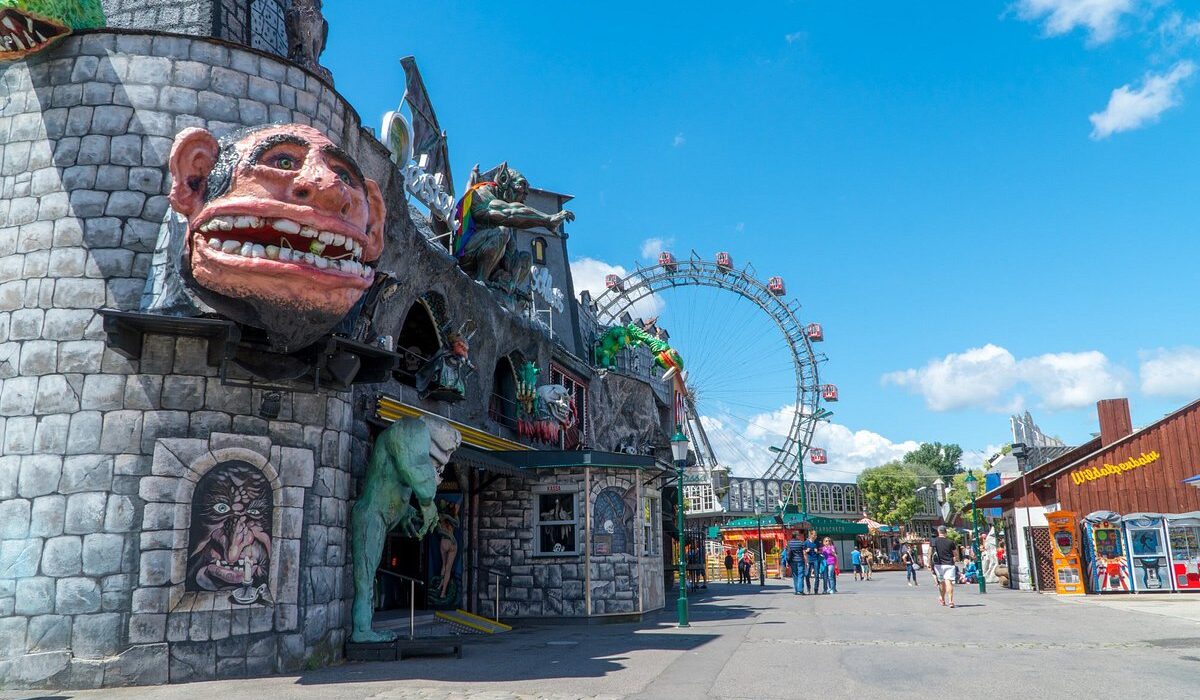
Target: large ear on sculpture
(193, 156)
(376, 221)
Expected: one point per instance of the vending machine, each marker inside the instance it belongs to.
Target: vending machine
(1068, 574)
(1146, 540)
(1183, 540)
(1104, 550)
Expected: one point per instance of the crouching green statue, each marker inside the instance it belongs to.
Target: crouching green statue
(406, 463)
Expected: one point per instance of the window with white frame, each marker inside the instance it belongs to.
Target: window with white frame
(700, 498)
(852, 499)
(824, 495)
(839, 504)
(813, 504)
(556, 523)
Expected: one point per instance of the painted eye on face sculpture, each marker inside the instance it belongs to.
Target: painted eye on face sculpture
(344, 176)
(254, 512)
(283, 161)
(221, 508)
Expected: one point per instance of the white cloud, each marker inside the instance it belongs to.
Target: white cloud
(1101, 18)
(678, 140)
(742, 444)
(990, 378)
(651, 247)
(977, 377)
(1130, 108)
(589, 274)
(795, 37)
(1174, 372)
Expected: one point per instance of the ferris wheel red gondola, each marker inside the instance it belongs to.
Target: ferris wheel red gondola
(775, 284)
(829, 392)
(668, 261)
(614, 282)
(817, 456)
(724, 261)
(814, 332)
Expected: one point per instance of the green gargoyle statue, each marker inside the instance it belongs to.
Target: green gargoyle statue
(28, 26)
(406, 463)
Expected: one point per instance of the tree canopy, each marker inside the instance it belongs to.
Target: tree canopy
(890, 492)
(946, 459)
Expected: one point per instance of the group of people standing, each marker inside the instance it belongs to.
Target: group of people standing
(745, 562)
(812, 564)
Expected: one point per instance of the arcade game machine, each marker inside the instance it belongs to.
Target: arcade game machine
(1068, 573)
(1146, 538)
(1107, 567)
(1183, 537)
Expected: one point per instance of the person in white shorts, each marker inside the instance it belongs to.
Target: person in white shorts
(945, 565)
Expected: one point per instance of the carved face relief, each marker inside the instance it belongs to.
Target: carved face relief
(280, 225)
(230, 544)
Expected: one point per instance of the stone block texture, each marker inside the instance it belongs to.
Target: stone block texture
(90, 554)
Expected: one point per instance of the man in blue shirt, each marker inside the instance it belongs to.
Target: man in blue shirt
(856, 560)
(814, 563)
(795, 559)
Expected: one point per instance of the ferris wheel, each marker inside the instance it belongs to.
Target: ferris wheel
(797, 360)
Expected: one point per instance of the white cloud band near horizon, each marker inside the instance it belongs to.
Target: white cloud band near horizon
(1100, 18)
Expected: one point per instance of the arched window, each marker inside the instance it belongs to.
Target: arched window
(772, 495)
(812, 497)
(538, 248)
(502, 407)
(852, 499)
(759, 494)
(417, 341)
(839, 504)
(826, 506)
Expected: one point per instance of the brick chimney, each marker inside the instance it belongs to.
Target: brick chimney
(1115, 422)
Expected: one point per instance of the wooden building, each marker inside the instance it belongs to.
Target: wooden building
(1121, 470)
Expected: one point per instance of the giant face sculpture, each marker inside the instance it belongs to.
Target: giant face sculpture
(280, 225)
(230, 545)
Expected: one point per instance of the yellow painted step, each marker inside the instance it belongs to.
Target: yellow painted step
(473, 622)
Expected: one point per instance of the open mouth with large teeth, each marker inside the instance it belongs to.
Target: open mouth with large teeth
(284, 241)
(22, 34)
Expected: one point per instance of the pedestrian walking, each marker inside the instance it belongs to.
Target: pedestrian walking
(813, 564)
(868, 563)
(829, 552)
(856, 562)
(741, 563)
(728, 566)
(747, 562)
(794, 555)
(945, 568)
(910, 565)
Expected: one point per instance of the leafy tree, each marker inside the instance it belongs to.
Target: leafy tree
(957, 495)
(946, 459)
(890, 492)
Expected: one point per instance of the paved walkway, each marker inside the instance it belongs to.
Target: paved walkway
(876, 639)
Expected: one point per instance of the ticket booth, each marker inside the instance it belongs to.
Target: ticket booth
(1068, 571)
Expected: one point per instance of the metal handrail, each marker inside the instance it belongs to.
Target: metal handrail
(496, 576)
(412, 599)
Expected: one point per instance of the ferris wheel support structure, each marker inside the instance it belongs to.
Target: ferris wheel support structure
(669, 273)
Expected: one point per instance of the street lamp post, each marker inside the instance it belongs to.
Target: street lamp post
(972, 487)
(762, 574)
(679, 451)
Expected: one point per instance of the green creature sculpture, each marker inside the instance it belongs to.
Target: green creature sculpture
(28, 26)
(406, 464)
(618, 338)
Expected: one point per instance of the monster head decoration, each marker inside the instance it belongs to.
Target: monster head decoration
(28, 26)
(280, 225)
(230, 533)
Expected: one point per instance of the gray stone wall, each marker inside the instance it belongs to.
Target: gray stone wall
(181, 16)
(553, 586)
(84, 138)
(254, 23)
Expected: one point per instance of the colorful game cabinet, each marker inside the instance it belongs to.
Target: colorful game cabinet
(1104, 550)
(1183, 539)
(1068, 573)
(1146, 541)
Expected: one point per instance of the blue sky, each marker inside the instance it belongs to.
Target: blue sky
(989, 205)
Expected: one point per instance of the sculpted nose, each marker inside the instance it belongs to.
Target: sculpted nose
(320, 187)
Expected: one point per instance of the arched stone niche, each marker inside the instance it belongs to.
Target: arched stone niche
(168, 605)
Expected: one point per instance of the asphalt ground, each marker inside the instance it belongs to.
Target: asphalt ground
(873, 639)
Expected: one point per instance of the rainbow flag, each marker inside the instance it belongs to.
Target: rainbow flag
(466, 225)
